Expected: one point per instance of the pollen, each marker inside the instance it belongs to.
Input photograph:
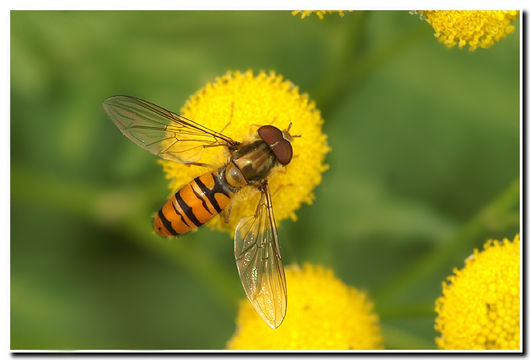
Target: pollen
(237, 104)
(480, 307)
(323, 313)
(319, 13)
(477, 29)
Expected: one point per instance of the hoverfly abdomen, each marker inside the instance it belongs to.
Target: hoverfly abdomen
(194, 204)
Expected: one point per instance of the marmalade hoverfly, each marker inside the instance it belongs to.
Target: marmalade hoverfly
(256, 247)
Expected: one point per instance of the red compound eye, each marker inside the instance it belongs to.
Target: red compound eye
(280, 146)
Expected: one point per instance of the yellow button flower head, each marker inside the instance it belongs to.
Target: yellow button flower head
(322, 313)
(479, 308)
(473, 28)
(250, 101)
(319, 13)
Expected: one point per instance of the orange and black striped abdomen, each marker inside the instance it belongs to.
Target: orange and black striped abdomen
(193, 205)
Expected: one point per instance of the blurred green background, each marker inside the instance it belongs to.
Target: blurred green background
(424, 168)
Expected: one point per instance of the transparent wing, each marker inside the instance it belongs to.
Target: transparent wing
(259, 263)
(166, 134)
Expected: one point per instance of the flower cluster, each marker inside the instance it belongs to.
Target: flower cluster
(323, 313)
(479, 308)
(473, 28)
(237, 104)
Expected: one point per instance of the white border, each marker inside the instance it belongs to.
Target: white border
(216, 5)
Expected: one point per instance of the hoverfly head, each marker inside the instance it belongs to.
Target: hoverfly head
(279, 141)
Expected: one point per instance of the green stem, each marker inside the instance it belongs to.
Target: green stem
(356, 64)
(183, 251)
(207, 269)
(335, 79)
(493, 217)
(395, 338)
(92, 202)
(406, 311)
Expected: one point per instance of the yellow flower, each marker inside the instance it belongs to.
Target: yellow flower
(251, 101)
(322, 313)
(319, 13)
(479, 308)
(473, 28)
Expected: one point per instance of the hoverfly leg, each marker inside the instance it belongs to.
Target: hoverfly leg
(226, 213)
(230, 119)
(262, 187)
(288, 131)
(253, 128)
(281, 187)
(209, 166)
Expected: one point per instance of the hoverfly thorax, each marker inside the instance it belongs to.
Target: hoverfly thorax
(253, 162)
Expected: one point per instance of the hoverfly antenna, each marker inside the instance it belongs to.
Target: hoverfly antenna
(288, 134)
